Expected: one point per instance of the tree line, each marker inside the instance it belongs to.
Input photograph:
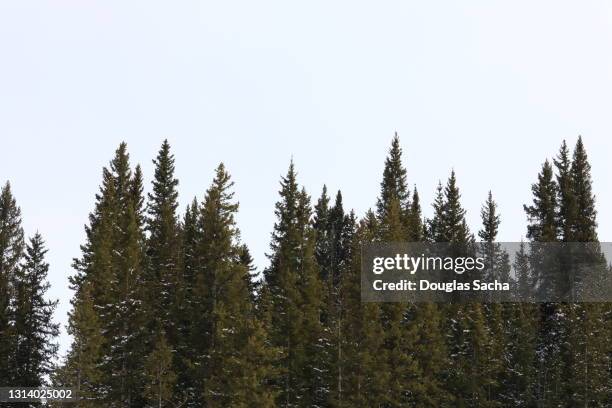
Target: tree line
(169, 310)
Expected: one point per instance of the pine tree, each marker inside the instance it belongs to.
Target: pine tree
(36, 348)
(11, 251)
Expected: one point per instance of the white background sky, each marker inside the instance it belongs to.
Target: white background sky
(487, 88)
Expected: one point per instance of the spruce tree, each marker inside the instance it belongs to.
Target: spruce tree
(567, 211)
(295, 297)
(585, 222)
(497, 268)
(393, 187)
(320, 223)
(190, 240)
(542, 214)
(110, 270)
(36, 348)
(235, 342)
(543, 226)
(163, 243)
(158, 374)
(586, 352)
(393, 222)
(416, 229)
(435, 225)
(334, 230)
(365, 376)
(454, 226)
(467, 337)
(11, 252)
(126, 317)
(82, 370)
(163, 278)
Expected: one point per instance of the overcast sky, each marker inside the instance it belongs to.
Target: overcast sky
(487, 88)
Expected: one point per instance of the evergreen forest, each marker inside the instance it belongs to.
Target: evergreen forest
(169, 310)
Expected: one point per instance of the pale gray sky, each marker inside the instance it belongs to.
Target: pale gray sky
(487, 88)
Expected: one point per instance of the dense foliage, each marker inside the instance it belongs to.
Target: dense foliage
(168, 310)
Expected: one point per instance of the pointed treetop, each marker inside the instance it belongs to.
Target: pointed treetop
(120, 165)
(490, 220)
(585, 223)
(566, 194)
(542, 214)
(338, 202)
(454, 225)
(394, 184)
(321, 216)
(165, 194)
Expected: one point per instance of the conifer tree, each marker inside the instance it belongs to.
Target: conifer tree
(586, 352)
(184, 362)
(293, 285)
(159, 376)
(11, 251)
(36, 348)
(416, 228)
(585, 222)
(334, 230)
(126, 317)
(454, 226)
(320, 222)
(111, 269)
(393, 187)
(82, 369)
(163, 243)
(467, 337)
(497, 260)
(392, 226)
(542, 214)
(543, 226)
(163, 277)
(364, 367)
(497, 268)
(518, 379)
(567, 211)
(236, 341)
(435, 229)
